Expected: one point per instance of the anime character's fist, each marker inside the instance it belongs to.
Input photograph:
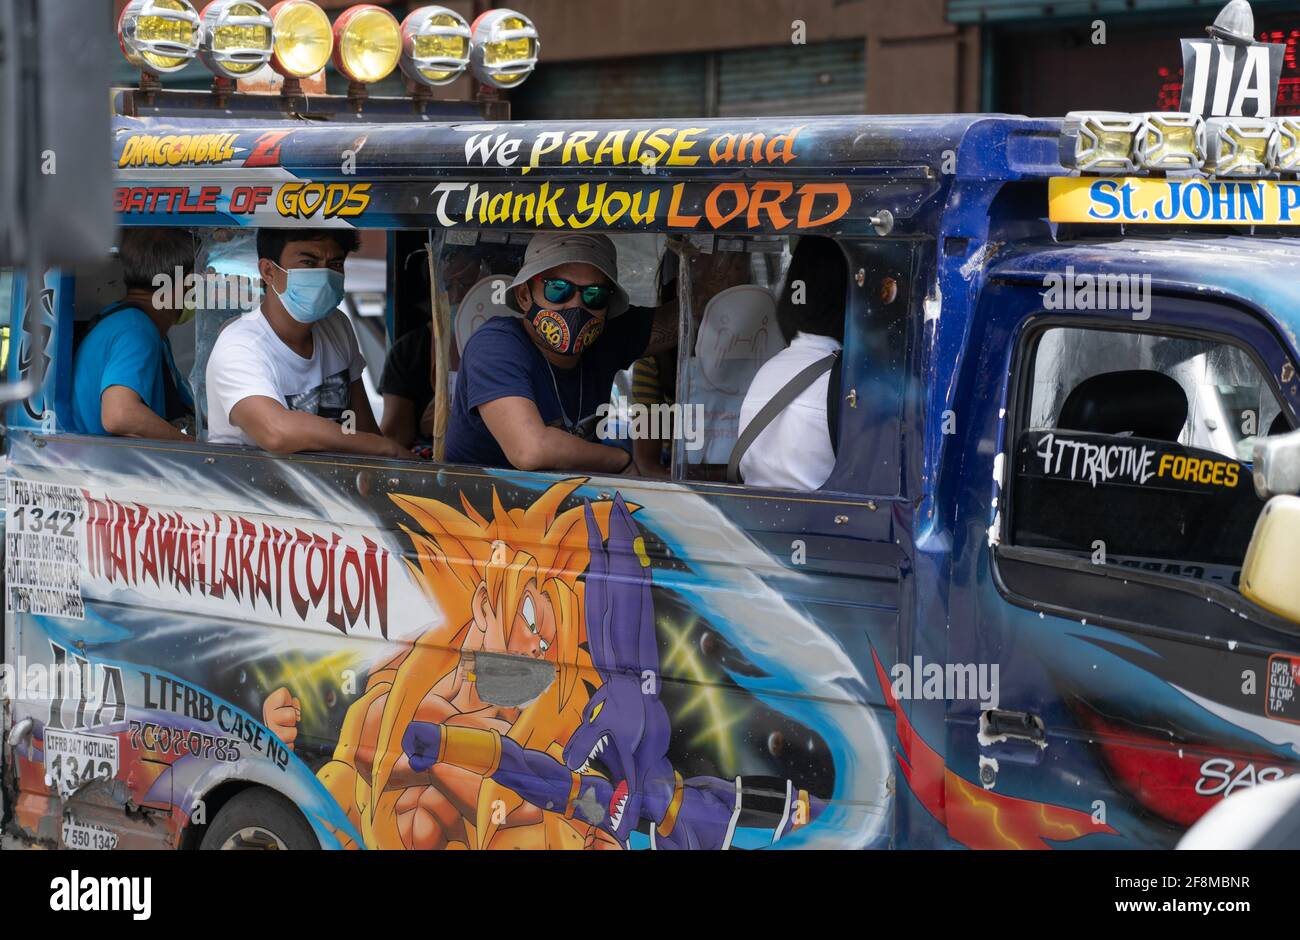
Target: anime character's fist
(421, 743)
(281, 713)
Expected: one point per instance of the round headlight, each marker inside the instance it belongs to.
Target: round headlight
(435, 45)
(301, 38)
(367, 43)
(158, 36)
(504, 48)
(235, 37)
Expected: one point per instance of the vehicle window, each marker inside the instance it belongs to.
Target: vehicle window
(679, 410)
(726, 295)
(640, 256)
(229, 257)
(1133, 451)
(732, 294)
(1229, 404)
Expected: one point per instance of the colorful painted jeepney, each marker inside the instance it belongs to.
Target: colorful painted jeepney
(1010, 619)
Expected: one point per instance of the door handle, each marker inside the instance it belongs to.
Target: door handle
(1017, 727)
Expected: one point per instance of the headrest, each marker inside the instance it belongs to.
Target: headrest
(738, 333)
(476, 308)
(1140, 402)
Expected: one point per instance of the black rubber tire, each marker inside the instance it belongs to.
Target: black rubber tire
(266, 810)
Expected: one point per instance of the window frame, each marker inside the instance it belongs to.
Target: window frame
(904, 261)
(858, 309)
(687, 323)
(1111, 600)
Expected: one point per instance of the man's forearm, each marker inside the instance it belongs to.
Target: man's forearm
(299, 431)
(142, 421)
(560, 450)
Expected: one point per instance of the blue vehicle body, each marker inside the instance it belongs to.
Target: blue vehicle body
(795, 629)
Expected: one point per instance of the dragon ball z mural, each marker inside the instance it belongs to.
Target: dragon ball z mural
(426, 758)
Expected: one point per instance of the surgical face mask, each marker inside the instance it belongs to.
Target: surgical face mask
(311, 294)
(569, 331)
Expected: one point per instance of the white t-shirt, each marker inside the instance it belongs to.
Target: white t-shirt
(794, 451)
(249, 359)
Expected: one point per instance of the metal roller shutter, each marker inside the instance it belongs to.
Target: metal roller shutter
(819, 78)
(650, 87)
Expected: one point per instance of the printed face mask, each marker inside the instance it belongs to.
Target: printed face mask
(311, 294)
(568, 331)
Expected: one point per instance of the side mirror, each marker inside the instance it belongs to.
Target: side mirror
(1268, 576)
(1277, 465)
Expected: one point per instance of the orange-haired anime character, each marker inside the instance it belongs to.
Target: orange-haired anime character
(509, 585)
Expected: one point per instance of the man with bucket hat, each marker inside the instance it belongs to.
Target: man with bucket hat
(529, 387)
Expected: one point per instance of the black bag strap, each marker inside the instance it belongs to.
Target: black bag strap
(82, 330)
(833, 398)
(108, 312)
(775, 405)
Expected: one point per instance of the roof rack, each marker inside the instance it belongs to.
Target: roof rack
(162, 103)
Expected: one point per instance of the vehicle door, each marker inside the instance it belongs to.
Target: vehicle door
(1105, 532)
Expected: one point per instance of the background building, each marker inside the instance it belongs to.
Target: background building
(667, 58)
(705, 58)
(1039, 57)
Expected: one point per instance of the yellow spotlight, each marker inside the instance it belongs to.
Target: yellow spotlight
(1241, 146)
(235, 37)
(435, 45)
(158, 36)
(1288, 144)
(367, 43)
(1171, 141)
(504, 48)
(1099, 141)
(301, 38)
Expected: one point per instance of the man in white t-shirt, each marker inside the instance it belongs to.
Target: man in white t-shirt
(286, 377)
(795, 450)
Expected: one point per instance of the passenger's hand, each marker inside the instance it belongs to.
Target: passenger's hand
(397, 452)
(281, 713)
(387, 447)
(628, 466)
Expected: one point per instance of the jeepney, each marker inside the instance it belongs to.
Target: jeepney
(1012, 618)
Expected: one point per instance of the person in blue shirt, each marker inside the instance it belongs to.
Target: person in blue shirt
(124, 378)
(529, 389)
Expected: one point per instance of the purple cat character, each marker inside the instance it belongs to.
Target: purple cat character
(616, 771)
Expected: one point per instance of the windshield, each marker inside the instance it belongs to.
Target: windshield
(1229, 404)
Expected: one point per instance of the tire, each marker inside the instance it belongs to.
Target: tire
(259, 819)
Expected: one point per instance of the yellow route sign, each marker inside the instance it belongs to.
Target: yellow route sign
(1144, 201)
